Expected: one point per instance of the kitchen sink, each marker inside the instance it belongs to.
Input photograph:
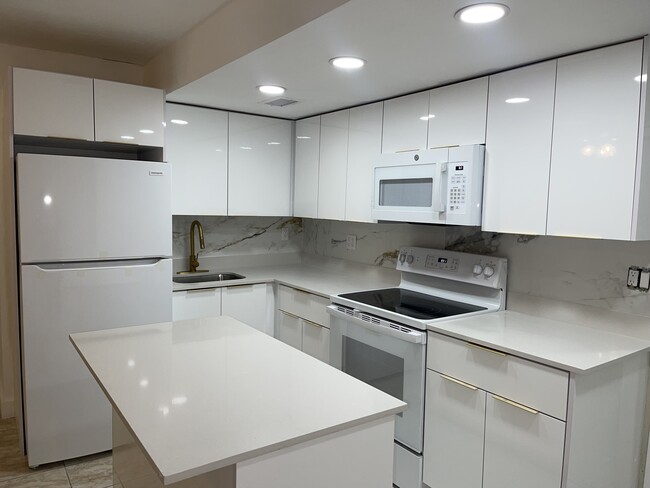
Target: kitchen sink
(201, 277)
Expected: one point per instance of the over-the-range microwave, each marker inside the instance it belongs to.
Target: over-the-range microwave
(437, 186)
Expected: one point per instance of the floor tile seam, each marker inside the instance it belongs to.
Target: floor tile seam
(67, 475)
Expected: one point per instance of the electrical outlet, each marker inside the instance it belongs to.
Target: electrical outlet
(644, 279)
(351, 242)
(285, 233)
(633, 276)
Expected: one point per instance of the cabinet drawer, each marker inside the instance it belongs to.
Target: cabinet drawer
(305, 305)
(196, 304)
(539, 387)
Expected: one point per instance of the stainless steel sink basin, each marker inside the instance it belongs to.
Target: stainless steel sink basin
(201, 277)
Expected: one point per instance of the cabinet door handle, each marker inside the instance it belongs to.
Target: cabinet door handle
(199, 290)
(240, 286)
(314, 324)
(515, 404)
(458, 382)
(289, 314)
(483, 348)
(407, 150)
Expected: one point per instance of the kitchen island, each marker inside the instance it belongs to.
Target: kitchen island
(213, 402)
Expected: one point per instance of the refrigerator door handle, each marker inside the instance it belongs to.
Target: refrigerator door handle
(122, 263)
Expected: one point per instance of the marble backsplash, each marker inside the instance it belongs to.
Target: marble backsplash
(583, 271)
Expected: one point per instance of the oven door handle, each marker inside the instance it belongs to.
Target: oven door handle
(381, 326)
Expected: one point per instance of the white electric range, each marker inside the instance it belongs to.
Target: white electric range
(379, 336)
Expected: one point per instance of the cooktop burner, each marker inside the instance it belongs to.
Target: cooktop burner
(411, 303)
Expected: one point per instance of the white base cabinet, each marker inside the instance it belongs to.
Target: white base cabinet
(250, 304)
(494, 420)
(303, 322)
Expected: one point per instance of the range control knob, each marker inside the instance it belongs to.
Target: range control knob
(488, 271)
(409, 259)
(402, 258)
(478, 269)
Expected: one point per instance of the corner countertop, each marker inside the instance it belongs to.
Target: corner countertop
(321, 279)
(562, 345)
(202, 394)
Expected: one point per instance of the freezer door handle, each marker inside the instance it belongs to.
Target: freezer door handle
(122, 263)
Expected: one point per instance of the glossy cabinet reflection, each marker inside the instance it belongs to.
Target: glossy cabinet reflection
(307, 157)
(128, 113)
(259, 168)
(457, 114)
(364, 148)
(196, 145)
(406, 123)
(596, 126)
(518, 149)
(333, 165)
(53, 105)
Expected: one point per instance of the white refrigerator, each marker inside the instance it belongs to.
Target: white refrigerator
(95, 253)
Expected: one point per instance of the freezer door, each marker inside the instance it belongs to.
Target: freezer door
(66, 414)
(76, 209)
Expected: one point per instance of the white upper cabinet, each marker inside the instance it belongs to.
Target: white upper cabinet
(405, 123)
(196, 144)
(307, 156)
(594, 159)
(53, 105)
(129, 114)
(457, 114)
(364, 148)
(259, 169)
(333, 165)
(518, 149)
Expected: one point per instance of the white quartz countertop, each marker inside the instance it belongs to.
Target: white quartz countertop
(560, 344)
(202, 394)
(322, 280)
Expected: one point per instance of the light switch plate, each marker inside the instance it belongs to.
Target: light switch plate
(285, 233)
(351, 242)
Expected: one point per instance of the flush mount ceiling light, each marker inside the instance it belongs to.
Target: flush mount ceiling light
(347, 62)
(517, 100)
(482, 13)
(271, 89)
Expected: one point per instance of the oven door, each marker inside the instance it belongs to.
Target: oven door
(413, 193)
(390, 359)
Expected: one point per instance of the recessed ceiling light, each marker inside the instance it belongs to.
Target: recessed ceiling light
(347, 62)
(271, 89)
(128, 138)
(518, 100)
(427, 117)
(146, 131)
(179, 121)
(482, 13)
(641, 78)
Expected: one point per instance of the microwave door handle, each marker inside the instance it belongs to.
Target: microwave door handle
(439, 203)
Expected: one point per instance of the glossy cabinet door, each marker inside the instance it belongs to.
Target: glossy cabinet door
(248, 304)
(307, 157)
(129, 114)
(593, 164)
(453, 433)
(259, 168)
(196, 145)
(364, 148)
(518, 150)
(290, 329)
(316, 340)
(457, 114)
(522, 448)
(406, 123)
(196, 304)
(53, 105)
(332, 170)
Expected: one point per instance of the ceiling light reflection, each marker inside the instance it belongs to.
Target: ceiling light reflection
(482, 13)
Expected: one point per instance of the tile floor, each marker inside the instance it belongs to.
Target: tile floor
(89, 472)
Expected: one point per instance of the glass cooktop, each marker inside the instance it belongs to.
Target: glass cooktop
(410, 303)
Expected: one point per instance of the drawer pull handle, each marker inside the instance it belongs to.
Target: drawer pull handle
(289, 314)
(407, 150)
(458, 382)
(482, 348)
(201, 290)
(515, 404)
(313, 323)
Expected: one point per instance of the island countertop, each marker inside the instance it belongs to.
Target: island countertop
(199, 395)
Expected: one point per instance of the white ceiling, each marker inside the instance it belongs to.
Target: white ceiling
(409, 45)
(132, 31)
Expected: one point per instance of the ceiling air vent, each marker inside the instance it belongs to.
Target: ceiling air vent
(280, 102)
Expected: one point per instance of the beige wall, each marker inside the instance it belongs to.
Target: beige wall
(46, 61)
(234, 30)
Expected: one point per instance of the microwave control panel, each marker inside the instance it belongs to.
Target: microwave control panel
(458, 191)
